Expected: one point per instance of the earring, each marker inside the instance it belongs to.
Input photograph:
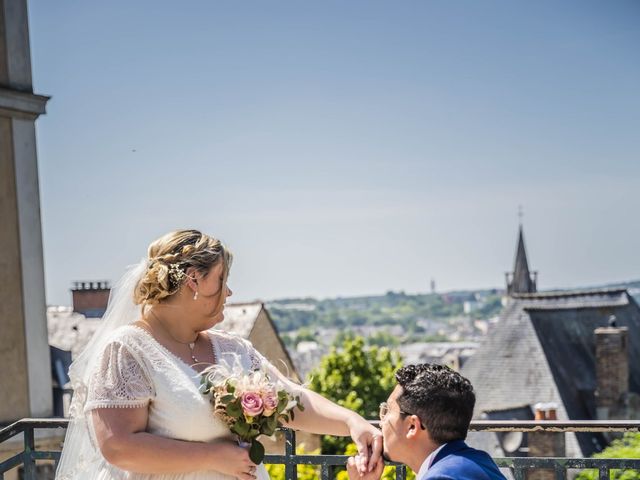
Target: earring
(195, 295)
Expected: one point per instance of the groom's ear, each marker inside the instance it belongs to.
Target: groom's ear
(413, 427)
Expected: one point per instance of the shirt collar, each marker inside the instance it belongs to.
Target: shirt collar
(427, 463)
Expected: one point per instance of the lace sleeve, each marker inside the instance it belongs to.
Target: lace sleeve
(257, 360)
(118, 380)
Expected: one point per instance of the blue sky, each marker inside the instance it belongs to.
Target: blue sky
(341, 148)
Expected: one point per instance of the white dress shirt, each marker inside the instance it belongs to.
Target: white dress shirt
(427, 463)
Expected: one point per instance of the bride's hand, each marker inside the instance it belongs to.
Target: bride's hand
(368, 440)
(233, 460)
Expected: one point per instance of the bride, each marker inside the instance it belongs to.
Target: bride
(137, 412)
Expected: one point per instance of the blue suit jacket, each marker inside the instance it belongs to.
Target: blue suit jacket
(458, 461)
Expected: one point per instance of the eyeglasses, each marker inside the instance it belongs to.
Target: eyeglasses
(384, 409)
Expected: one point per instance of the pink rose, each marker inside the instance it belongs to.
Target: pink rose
(270, 400)
(252, 404)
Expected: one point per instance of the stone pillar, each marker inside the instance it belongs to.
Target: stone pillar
(25, 379)
(545, 444)
(612, 372)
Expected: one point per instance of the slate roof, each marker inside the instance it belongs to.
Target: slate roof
(543, 350)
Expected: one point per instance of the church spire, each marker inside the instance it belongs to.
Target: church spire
(521, 281)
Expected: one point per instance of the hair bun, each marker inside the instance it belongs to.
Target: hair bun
(169, 258)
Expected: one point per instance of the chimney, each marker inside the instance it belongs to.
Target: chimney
(545, 444)
(612, 371)
(90, 298)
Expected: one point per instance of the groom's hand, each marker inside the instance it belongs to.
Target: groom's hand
(355, 466)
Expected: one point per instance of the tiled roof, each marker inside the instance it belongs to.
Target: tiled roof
(240, 318)
(543, 350)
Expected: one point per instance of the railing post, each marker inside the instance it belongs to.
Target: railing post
(290, 468)
(604, 473)
(561, 471)
(518, 469)
(28, 460)
(325, 472)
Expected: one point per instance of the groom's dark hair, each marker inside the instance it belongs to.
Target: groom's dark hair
(441, 397)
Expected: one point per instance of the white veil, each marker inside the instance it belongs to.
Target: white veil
(79, 453)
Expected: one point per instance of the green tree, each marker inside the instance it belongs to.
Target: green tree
(356, 377)
(305, 335)
(625, 447)
(383, 339)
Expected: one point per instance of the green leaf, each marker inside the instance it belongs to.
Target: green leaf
(272, 422)
(241, 429)
(227, 398)
(256, 452)
(234, 410)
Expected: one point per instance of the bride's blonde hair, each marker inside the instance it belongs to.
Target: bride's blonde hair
(171, 255)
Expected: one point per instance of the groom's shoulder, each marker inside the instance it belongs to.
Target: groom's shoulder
(462, 461)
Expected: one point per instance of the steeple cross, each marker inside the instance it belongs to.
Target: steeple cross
(520, 214)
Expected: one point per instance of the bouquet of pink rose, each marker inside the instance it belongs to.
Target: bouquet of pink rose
(251, 404)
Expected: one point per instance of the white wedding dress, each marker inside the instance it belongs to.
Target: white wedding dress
(135, 371)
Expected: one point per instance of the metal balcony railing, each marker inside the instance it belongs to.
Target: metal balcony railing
(29, 457)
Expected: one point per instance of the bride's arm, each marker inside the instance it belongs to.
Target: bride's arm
(119, 394)
(124, 443)
(323, 416)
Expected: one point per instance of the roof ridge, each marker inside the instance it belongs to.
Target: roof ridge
(245, 304)
(569, 293)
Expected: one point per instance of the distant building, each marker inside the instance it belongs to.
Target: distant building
(308, 355)
(470, 306)
(90, 298)
(561, 347)
(452, 354)
(521, 280)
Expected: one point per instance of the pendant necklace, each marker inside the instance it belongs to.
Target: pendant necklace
(191, 345)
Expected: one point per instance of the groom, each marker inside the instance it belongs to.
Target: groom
(424, 423)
